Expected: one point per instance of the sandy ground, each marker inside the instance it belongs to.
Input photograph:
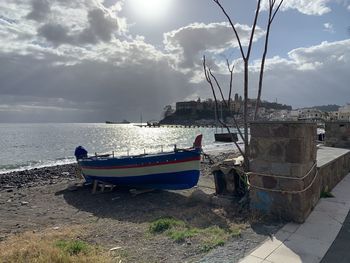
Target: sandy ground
(55, 198)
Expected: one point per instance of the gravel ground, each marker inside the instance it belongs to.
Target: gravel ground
(54, 197)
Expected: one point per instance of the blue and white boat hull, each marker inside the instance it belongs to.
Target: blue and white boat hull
(173, 170)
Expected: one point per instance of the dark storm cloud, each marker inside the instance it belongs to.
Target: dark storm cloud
(97, 90)
(100, 27)
(56, 34)
(40, 10)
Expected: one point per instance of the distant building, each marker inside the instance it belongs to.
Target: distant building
(293, 115)
(311, 114)
(333, 115)
(344, 113)
(188, 106)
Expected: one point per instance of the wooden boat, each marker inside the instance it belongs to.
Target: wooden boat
(226, 137)
(178, 169)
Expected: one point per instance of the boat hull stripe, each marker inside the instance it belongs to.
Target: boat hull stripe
(171, 167)
(197, 158)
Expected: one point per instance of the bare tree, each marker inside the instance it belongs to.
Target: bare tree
(245, 55)
(208, 76)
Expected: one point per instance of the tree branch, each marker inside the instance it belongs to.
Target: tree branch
(207, 76)
(231, 80)
(271, 16)
(233, 27)
(253, 29)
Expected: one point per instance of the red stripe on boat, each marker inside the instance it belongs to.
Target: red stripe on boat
(143, 165)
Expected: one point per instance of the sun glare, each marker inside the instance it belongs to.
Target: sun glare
(150, 9)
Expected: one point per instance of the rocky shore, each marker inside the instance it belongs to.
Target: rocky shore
(37, 176)
(54, 198)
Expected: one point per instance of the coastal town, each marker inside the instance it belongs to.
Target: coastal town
(203, 112)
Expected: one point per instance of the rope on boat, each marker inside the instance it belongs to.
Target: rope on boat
(207, 156)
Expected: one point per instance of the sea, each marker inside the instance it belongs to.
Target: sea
(29, 146)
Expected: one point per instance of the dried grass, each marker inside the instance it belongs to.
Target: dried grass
(56, 246)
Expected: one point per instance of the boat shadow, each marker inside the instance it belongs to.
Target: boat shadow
(121, 205)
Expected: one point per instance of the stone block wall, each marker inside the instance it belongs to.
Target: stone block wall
(333, 172)
(338, 134)
(282, 161)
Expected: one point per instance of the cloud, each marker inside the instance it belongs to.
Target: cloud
(307, 7)
(55, 33)
(40, 10)
(328, 27)
(311, 75)
(79, 63)
(190, 42)
(110, 81)
(315, 75)
(101, 27)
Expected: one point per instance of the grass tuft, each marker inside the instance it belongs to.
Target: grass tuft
(73, 247)
(207, 238)
(182, 235)
(164, 224)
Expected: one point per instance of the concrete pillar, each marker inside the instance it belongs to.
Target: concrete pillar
(282, 162)
(338, 134)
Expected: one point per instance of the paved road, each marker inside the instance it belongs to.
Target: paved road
(339, 252)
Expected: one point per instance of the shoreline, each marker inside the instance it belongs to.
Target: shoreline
(54, 199)
(48, 175)
(37, 176)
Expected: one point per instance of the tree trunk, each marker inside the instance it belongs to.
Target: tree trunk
(245, 116)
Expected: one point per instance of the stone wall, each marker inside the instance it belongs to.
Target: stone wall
(283, 165)
(334, 171)
(338, 134)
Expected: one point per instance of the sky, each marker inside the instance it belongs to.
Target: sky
(97, 60)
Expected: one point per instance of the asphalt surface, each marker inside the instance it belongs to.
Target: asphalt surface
(339, 252)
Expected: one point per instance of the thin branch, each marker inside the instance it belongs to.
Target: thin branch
(234, 119)
(231, 80)
(253, 29)
(233, 27)
(219, 87)
(207, 76)
(262, 65)
(278, 7)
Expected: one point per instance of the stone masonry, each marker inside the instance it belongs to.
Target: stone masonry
(283, 169)
(338, 134)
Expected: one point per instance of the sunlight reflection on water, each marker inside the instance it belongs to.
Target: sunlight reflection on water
(36, 145)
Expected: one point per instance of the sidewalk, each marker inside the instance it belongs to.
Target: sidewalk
(339, 252)
(310, 241)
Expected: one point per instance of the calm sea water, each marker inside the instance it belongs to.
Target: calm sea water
(26, 146)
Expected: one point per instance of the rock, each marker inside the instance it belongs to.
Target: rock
(24, 203)
(56, 228)
(65, 173)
